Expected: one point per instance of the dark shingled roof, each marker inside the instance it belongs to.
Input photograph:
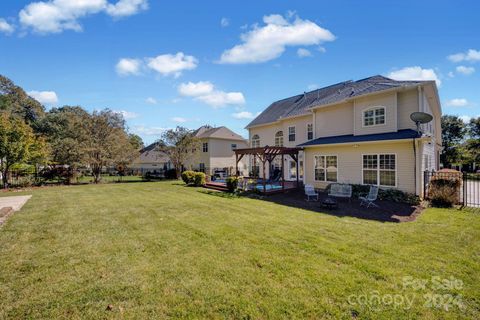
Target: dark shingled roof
(302, 103)
(350, 138)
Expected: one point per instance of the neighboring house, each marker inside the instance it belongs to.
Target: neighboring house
(357, 132)
(216, 154)
(151, 160)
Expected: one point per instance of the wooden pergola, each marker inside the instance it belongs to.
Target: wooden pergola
(266, 155)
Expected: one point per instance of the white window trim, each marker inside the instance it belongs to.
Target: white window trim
(300, 167)
(325, 155)
(252, 139)
(378, 169)
(313, 136)
(282, 137)
(374, 108)
(203, 147)
(295, 129)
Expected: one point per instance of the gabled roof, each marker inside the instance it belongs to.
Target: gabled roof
(217, 133)
(151, 154)
(301, 104)
(350, 138)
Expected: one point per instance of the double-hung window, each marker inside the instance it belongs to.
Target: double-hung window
(326, 168)
(291, 133)
(380, 169)
(309, 131)
(256, 141)
(374, 117)
(205, 147)
(234, 146)
(279, 139)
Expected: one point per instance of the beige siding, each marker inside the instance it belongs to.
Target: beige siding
(267, 132)
(389, 101)
(334, 120)
(222, 155)
(407, 104)
(350, 162)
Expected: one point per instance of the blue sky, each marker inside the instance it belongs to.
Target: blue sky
(164, 64)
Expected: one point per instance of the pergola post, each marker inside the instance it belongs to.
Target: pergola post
(283, 172)
(298, 171)
(264, 178)
(236, 165)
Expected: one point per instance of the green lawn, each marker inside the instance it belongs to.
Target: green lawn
(156, 250)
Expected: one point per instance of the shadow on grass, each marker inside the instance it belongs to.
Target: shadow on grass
(220, 194)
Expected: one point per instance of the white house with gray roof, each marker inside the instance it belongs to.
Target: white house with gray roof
(216, 154)
(357, 132)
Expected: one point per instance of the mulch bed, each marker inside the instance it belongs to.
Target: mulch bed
(388, 211)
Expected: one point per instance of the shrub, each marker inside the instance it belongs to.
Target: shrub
(444, 192)
(188, 176)
(199, 179)
(171, 174)
(232, 184)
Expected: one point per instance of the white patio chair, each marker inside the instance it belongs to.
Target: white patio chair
(310, 192)
(370, 198)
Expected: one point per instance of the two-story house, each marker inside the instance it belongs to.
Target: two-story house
(357, 132)
(216, 154)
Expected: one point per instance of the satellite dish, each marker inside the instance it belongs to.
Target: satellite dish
(420, 118)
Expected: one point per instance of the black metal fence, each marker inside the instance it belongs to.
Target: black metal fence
(465, 187)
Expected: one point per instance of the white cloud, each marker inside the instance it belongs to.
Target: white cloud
(128, 66)
(224, 22)
(151, 100)
(415, 73)
(44, 97)
(465, 70)
(313, 86)
(169, 64)
(244, 115)
(149, 131)
(125, 8)
(471, 55)
(55, 16)
(205, 91)
(6, 27)
(467, 119)
(321, 49)
(451, 74)
(192, 89)
(268, 42)
(127, 114)
(302, 53)
(458, 102)
(179, 119)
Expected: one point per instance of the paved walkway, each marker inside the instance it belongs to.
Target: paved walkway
(16, 202)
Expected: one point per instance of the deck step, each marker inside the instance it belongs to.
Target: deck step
(216, 187)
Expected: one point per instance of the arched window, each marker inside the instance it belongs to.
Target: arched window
(279, 139)
(374, 116)
(256, 141)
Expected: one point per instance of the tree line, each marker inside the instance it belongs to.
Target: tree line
(61, 140)
(461, 143)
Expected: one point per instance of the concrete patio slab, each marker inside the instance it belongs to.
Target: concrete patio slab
(16, 202)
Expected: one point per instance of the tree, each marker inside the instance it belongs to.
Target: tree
(107, 142)
(136, 141)
(180, 145)
(472, 145)
(16, 141)
(14, 101)
(453, 134)
(63, 130)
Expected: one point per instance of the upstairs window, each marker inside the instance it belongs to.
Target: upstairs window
(205, 147)
(256, 141)
(374, 117)
(309, 131)
(279, 139)
(291, 133)
(234, 146)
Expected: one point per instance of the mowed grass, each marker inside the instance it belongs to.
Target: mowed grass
(160, 250)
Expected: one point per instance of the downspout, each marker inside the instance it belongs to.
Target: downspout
(415, 163)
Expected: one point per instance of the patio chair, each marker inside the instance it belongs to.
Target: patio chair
(340, 190)
(370, 198)
(310, 192)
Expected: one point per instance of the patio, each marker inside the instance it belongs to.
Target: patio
(388, 211)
